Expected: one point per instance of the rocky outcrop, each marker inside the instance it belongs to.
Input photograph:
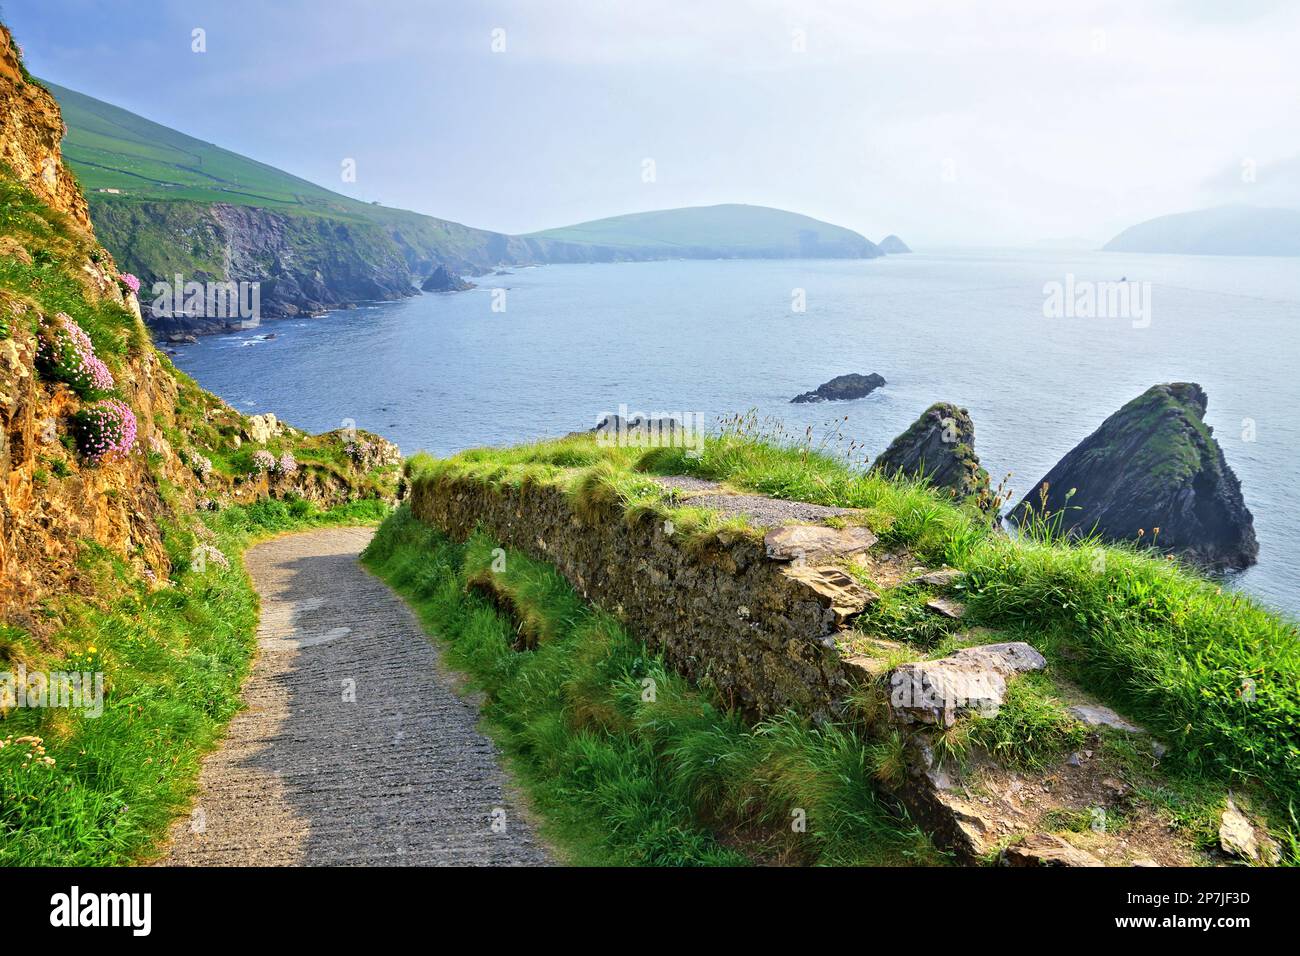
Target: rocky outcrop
(32, 129)
(1152, 474)
(302, 264)
(940, 446)
(891, 245)
(58, 498)
(260, 429)
(1045, 849)
(971, 681)
(52, 502)
(443, 279)
(842, 388)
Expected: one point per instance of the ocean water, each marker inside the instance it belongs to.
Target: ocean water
(447, 372)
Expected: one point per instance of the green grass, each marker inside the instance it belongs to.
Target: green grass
(1213, 673)
(161, 224)
(48, 273)
(174, 659)
(619, 779)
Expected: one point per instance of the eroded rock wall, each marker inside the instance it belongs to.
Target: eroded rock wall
(725, 615)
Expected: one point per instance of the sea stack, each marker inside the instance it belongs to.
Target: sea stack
(940, 446)
(443, 279)
(1153, 475)
(842, 388)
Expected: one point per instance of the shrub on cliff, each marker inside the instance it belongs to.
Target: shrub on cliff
(105, 431)
(66, 354)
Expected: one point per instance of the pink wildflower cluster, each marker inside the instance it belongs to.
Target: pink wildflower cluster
(131, 282)
(66, 354)
(263, 461)
(357, 450)
(105, 430)
(288, 464)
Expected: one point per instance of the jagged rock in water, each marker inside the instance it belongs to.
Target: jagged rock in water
(1153, 474)
(842, 388)
(940, 445)
(443, 279)
(892, 245)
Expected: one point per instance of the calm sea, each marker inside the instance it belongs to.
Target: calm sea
(446, 372)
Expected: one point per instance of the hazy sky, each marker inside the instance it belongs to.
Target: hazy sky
(997, 122)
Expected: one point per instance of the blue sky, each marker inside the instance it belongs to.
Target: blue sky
(949, 123)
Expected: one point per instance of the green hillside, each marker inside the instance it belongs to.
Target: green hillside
(109, 147)
(112, 148)
(166, 203)
(1236, 230)
(728, 230)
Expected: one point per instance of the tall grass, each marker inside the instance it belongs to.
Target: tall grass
(625, 761)
(49, 274)
(1213, 672)
(174, 659)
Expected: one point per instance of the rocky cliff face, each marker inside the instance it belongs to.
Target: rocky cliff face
(1153, 474)
(941, 446)
(303, 264)
(72, 345)
(51, 503)
(31, 129)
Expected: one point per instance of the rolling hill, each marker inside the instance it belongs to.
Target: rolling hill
(1235, 230)
(179, 204)
(166, 203)
(726, 231)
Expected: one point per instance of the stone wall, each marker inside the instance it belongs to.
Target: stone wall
(725, 615)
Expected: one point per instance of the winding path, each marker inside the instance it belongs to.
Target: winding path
(353, 747)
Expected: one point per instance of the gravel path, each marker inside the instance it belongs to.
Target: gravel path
(399, 775)
(762, 511)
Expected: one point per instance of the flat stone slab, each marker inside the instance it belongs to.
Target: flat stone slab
(947, 608)
(1096, 715)
(1044, 849)
(943, 578)
(1237, 837)
(816, 544)
(970, 681)
(836, 589)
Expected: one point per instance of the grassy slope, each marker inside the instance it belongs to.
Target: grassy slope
(620, 779)
(1235, 230)
(46, 271)
(109, 147)
(174, 658)
(1214, 674)
(736, 229)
